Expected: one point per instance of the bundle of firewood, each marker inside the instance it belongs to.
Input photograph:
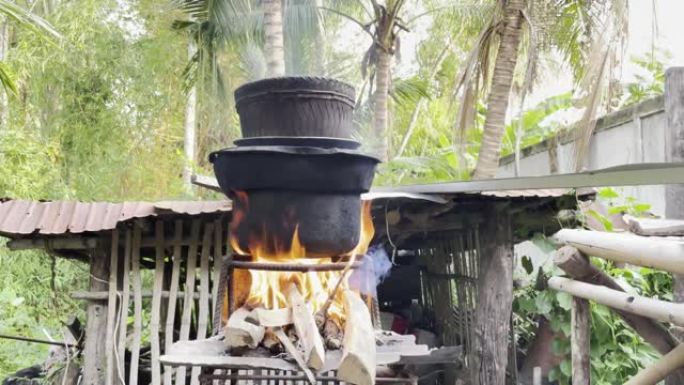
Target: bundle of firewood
(304, 335)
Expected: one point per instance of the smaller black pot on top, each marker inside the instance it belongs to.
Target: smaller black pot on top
(296, 106)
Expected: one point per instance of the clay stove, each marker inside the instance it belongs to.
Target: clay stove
(299, 230)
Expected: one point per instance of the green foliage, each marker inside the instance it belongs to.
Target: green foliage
(30, 307)
(617, 352)
(649, 82)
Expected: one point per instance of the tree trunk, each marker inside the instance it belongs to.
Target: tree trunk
(494, 305)
(380, 100)
(190, 127)
(497, 102)
(273, 35)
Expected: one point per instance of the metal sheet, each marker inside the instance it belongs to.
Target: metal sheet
(627, 175)
(60, 217)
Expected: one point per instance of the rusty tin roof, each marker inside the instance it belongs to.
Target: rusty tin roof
(58, 217)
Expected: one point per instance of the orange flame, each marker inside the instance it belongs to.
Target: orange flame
(267, 288)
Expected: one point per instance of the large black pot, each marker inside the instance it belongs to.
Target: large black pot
(296, 106)
(327, 224)
(316, 189)
(293, 168)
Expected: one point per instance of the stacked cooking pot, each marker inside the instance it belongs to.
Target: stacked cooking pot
(297, 161)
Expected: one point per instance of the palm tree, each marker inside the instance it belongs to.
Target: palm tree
(253, 31)
(273, 36)
(583, 33)
(383, 28)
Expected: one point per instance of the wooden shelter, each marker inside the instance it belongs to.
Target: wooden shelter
(161, 262)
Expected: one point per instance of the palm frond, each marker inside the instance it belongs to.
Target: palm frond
(26, 19)
(7, 78)
(409, 91)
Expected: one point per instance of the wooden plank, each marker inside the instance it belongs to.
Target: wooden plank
(137, 305)
(111, 310)
(190, 268)
(156, 302)
(173, 293)
(203, 314)
(648, 307)
(305, 325)
(125, 299)
(217, 259)
(358, 348)
(655, 227)
(659, 253)
(580, 324)
(103, 295)
(55, 243)
(94, 351)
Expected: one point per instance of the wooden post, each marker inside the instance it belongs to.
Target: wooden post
(674, 152)
(94, 352)
(580, 339)
(674, 137)
(494, 302)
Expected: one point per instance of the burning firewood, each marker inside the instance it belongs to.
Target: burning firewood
(358, 347)
(332, 335)
(305, 326)
(290, 348)
(243, 330)
(271, 342)
(275, 317)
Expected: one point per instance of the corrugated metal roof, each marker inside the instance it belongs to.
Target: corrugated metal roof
(59, 217)
(536, 193)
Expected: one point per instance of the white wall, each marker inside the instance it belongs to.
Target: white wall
(634, 135)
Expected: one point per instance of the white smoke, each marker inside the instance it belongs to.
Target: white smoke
(375, 267)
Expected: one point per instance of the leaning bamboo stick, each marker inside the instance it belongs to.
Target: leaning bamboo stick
(190, 270)
(203, 314)
(155, 348)
(172, 295)
(660, 369)
(648, 307)
(652, 252)
(125, 299)
(216, 277)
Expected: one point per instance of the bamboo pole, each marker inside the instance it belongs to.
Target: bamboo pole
(111, 309)
(137, 306)
(660, 369)
(173, 296)
(125, 299)
(190, 271)
(155, 347)
(203, 314)
(648, 307)
(659, 253)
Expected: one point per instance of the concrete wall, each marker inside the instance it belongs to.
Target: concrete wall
(637, 134)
